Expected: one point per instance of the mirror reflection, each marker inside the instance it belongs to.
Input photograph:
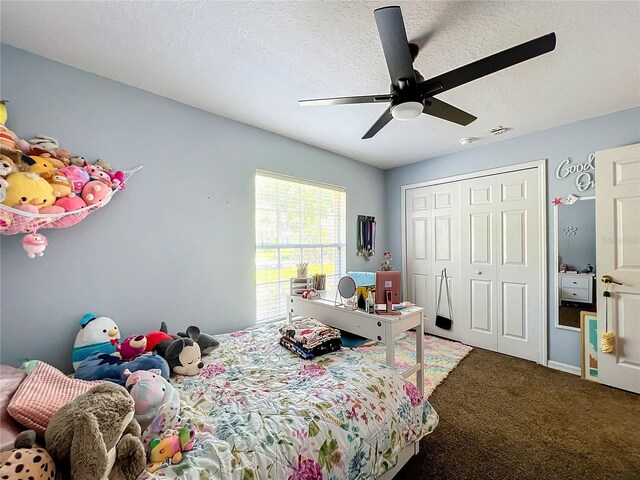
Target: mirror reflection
(576, 250)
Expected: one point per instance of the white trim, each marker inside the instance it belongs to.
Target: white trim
(544, 264)
(542, 224)
(563, 367)
(556, 265)
(303, 181)
(477, 174)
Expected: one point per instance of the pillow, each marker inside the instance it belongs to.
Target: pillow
(10, 380)
(42, 393)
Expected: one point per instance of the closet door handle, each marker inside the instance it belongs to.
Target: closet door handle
(478, 272)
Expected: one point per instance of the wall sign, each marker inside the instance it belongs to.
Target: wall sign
(584, 172)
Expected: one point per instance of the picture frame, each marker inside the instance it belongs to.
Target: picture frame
(589, 346)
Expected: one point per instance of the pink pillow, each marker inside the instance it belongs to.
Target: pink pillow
(10, 379)
(42, 393)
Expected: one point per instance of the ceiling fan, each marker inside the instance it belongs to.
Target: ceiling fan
(410, 93)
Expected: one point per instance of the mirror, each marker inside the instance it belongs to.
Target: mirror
(575, 261)
(346, 290)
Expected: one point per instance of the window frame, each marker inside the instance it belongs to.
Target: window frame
(340, 245)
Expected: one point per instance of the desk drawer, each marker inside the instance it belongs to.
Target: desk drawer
(576, 282)
(575, 294)
(365, 325)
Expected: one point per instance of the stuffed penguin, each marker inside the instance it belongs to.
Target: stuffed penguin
(97, 335)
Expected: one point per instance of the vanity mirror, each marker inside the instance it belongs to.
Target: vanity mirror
(575, 260)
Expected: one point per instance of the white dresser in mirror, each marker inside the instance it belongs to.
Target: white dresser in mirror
(576, 287)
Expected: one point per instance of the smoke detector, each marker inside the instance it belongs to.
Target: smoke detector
(466, 140)
(499, 130)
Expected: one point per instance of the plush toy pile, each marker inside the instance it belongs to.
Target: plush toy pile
(38, 176)
(143, 364)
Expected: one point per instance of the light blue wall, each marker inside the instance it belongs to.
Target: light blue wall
(178, 244)
(577, 250)
(575, 140)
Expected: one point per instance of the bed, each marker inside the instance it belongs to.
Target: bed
(264, 413)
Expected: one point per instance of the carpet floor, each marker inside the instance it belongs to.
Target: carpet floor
(506, 418)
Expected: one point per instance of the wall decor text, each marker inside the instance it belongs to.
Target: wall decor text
(584, 172)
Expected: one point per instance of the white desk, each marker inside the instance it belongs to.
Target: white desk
(383, 328)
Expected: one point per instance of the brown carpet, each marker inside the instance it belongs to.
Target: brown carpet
(506, 418)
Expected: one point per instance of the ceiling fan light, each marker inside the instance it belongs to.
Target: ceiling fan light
(406, 110)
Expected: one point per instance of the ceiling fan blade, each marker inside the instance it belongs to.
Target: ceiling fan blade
(440, 109)
(346, 100)
(385, 118)
(394, 43)
(489, 65)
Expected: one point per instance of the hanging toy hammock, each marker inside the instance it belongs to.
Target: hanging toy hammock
(14, 221)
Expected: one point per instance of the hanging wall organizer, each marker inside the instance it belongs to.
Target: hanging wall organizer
(43, 186)
(366, 236)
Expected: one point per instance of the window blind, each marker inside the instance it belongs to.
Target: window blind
(296, 221)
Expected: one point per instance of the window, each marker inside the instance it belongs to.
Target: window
(296, 221)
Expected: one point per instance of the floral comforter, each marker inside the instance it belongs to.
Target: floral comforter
(264, 413)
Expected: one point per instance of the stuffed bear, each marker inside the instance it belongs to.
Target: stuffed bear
(95, 436)
(27, 461)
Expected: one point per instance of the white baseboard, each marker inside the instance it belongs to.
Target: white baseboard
(563, 367)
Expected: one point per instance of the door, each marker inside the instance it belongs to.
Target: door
(478, 292)
(519, 269)
(445, 252)
(418, 251)
(487, 232)
(618, 255)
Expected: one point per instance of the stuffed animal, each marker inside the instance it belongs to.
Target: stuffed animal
(61, 186)
(7, 137)
(157, 403)
(3, 189)
(95, 436)
(48, 144)
(104, 366)
(170, 447)
(95, 192)
(131, 347)
(28, 188)
(97, 334)
(43, 166)
(77, 176)
(34, 244)
(205, 341)
(117, 179)
(96, 173)
(70, 203)
(154, 338)
(77, 161)
(9, 160)
(102, 165)
(27, 461)
(182, 355)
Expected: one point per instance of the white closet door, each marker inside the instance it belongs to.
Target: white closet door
(518, 266)
(478, 293)
(445, 251)
(418, 251)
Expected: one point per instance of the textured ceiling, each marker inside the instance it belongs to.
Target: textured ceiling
(252, 61)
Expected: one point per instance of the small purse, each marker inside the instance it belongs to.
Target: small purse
(442, 321)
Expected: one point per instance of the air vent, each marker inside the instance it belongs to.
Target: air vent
(499, 130)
